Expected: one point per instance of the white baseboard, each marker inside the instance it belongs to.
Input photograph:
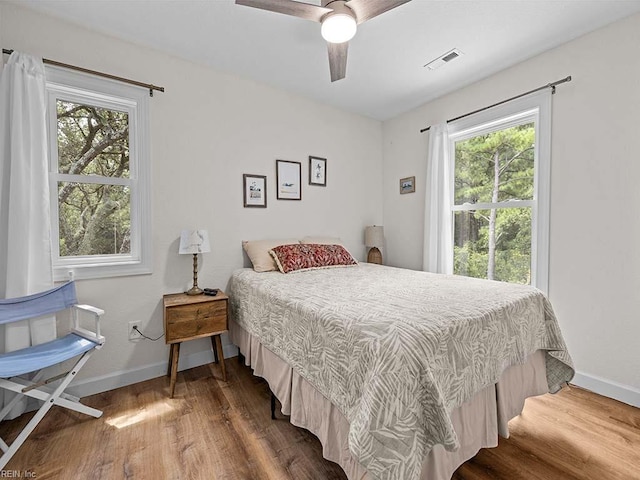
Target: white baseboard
(91, 386)
(608, 388)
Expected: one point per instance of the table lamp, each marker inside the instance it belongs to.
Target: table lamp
(374, 238)
(195, 242)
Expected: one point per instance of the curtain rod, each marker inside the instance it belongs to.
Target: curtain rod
(552, 86)
(99, 74)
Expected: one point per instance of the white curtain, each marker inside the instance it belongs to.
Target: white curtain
(25, 239)
(438, 235)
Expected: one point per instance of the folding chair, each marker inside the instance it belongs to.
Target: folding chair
(78, 343)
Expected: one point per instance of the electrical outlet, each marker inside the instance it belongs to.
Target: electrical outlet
(134, 335)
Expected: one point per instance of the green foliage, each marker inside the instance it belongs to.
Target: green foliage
(94, 218)
(490, 168)
(475, 165)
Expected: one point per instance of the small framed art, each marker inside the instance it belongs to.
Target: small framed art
(318, 171)
(254, 188)
(408, 185)
(288, 180)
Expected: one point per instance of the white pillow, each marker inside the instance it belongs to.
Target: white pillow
(258, 252)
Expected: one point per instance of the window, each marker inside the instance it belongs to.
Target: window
(501, 192)
(99, 176)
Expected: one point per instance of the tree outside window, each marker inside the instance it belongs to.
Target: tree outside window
(493, 193)
(94, 218)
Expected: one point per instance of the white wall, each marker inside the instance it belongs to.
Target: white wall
(595, 227)
(206, 131)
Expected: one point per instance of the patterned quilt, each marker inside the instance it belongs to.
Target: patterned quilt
(397, 350)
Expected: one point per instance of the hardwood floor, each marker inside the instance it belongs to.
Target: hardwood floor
(573, 435)
(218, 430)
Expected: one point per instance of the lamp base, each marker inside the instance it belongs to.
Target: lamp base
(374, 256)
(194, 291)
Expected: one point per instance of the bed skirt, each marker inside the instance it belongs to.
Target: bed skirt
(477, 422)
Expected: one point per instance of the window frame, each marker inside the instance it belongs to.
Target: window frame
(534, 108)
(63, 84)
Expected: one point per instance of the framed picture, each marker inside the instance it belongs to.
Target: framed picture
(408, 185)
(288, 180)
(254, 188)
(318, 171)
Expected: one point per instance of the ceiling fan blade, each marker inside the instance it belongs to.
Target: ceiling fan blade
(289, 7)
(338, 60)
(367, 9)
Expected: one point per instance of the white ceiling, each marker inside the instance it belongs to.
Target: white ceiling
(385, 74)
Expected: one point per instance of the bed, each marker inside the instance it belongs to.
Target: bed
(400, 374)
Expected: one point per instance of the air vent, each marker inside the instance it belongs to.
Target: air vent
(444, 58)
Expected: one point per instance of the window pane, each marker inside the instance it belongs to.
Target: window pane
(94, 219)
(493, 244)
(92, 140)
(495, 167)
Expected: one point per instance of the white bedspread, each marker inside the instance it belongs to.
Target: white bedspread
(396, 350)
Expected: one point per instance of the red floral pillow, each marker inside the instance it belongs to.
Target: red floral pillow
(309, 256)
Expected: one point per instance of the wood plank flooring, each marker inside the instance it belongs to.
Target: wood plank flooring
(223, 431)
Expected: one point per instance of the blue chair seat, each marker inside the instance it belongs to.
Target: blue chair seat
(44, 355)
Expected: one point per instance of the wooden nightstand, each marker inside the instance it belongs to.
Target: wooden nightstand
(187, 317)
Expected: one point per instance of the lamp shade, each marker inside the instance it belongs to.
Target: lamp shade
(374, 236)
(194, 241)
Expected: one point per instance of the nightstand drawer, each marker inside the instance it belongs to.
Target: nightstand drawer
(198, 319)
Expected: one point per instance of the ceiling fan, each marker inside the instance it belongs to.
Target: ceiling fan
(339, 19)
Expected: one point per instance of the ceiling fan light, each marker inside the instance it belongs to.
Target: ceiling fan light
(338, 28)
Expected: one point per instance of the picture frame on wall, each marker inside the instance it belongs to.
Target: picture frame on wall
(288, 180)
(254, 188)
(317, 171)
(407, 185)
